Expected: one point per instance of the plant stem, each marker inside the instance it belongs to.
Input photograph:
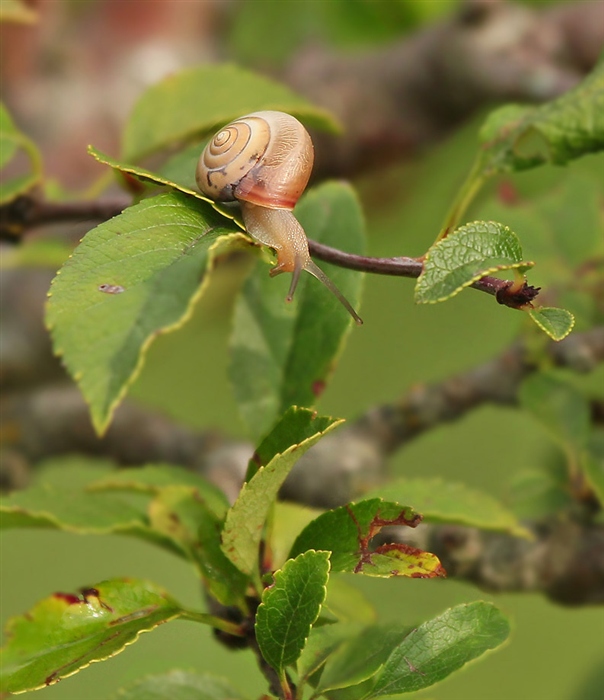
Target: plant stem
(397, 266)
(37, 213)
(216, 622)
(466, 194)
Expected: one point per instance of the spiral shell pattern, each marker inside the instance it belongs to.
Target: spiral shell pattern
(264, 158)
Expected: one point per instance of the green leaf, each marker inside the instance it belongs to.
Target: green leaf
(289, 608)
(11, 140)
(63, 497)
(155, 477)
(145, 175)
(133, 277)
(445, 502)
(537, 494)
(85, 497)
(360, 657)
(15, 11)
(9, 135)
(347, 533)
(59, 499)
(179, 514)
(283, 354)
(179, 685)
(184, 183)
(466, 255)
(65, 633)
(557, 323)
(517, 138)
(295, 426)
(181, 167)
(196, 101)
(560, 408)
(296, 432)
(321, 644)
(440, 646)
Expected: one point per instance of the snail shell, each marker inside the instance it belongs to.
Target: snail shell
(264, 161)
(264, 158)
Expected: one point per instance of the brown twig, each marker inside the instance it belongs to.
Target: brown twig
(496, 381)
(412, 267)
(28, 212)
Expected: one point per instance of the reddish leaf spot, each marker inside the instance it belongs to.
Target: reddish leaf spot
(69, 598)
(52, 679)
(507, 193)
(376, 524)
(318, 387)
(111, 288)
(412, 668)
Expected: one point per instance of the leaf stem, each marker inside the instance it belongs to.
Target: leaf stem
(285, 687)
(465, 196)
(216, 622)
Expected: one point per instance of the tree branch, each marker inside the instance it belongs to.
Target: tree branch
(565, 560)
(395, 100)
(28, 212)
(353, 459)
(31, 211)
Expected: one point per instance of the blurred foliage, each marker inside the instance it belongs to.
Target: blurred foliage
(344, 24)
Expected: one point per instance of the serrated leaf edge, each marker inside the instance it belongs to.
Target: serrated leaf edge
(533, 313)
(498, 268)
(527, 265)
(287, 564)
(94, 661)
(101, 422)
(336, 422)
(148, 176)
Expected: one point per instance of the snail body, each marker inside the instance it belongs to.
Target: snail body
(264, 161)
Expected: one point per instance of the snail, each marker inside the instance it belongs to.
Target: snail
(264, 160)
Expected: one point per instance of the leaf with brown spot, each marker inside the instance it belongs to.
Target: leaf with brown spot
(347, 532)
(65, 633)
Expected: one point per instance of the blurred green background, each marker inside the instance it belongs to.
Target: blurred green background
(554, 653)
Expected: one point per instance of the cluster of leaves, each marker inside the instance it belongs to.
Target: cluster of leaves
(300, 623)
(140, 274)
